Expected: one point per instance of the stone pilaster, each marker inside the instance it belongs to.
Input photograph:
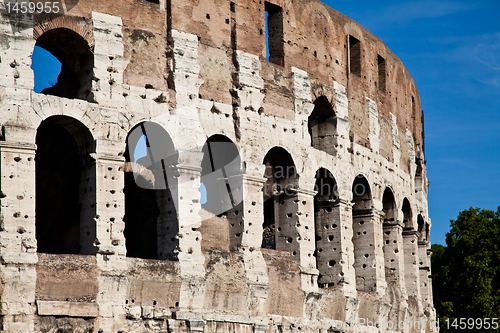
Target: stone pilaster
(186, 68)
(394, 255)
(425, 272)
(368, 250)
(304, 228)
(109, 62)
(412, 279)
(17, 236)
(16, 77)
(374, 126)
(184, 182)
(255, 266)
(109, 203)
(396, 143)
(334, 247)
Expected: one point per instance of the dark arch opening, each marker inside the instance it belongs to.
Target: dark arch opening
(150, 214)
(407, 214)
(221, 175)
(77, 63)
(322, 126)
(418, 176)
(389, 206)
(281, 179)
(326, 187)
(422, 234)
(362, 196)
(62, 165)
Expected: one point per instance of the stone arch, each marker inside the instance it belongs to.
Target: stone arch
(322, 126)
(221, 170)
(419, 177)
(317, 25)
(362, 195)
(423, 228)
(407, 214)
(65, 184)
(389, 206)
(313, 7)
(327, 227)
(77, 62)
(221, 178)
(151, 219)
(279, 193)
(65, 22)
(367, 238)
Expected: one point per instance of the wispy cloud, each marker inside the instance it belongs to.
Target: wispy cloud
(488, 54)
(414, 10)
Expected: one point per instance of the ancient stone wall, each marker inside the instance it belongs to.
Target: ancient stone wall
(312, 163)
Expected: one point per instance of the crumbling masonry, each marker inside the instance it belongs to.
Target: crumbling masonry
(91, 240)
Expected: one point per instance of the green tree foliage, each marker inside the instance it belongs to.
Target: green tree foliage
(466, 273)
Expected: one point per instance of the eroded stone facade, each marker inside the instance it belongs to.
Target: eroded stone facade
(84, 249)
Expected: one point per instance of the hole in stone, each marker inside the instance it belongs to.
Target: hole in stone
(332, 263)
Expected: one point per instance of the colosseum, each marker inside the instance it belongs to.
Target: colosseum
(250, 166)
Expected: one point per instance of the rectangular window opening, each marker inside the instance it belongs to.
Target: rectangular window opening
(354, 56)
(274, 34)
(153, 1)
(381, 74)
(414, 118)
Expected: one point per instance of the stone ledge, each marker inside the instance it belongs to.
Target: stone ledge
(69, 309)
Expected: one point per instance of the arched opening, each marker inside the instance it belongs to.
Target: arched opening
(422, 235)
(279, 206)
(366, 238)
(322, 125)
(221, 179)
(362, 196)
(407, 214)
(389, 206)
(419, 184)
(393, 240)
(327, 227)
(221, 167)
(76, 59)
(151, 222)
(63, 170)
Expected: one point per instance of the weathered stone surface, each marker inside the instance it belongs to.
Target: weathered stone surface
(131, 259)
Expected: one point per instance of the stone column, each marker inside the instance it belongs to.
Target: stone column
(109, 62)
(334, 247)
(251, 218)
(425, 271)
(412, 280)
(393, 255)
(103, 217)
(17, 236)
(16, 77)
(109, 205)
(305, 238)
(184, 182)
(368, 250)
(186, 68)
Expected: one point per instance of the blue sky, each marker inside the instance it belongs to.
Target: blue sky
(452, 50)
